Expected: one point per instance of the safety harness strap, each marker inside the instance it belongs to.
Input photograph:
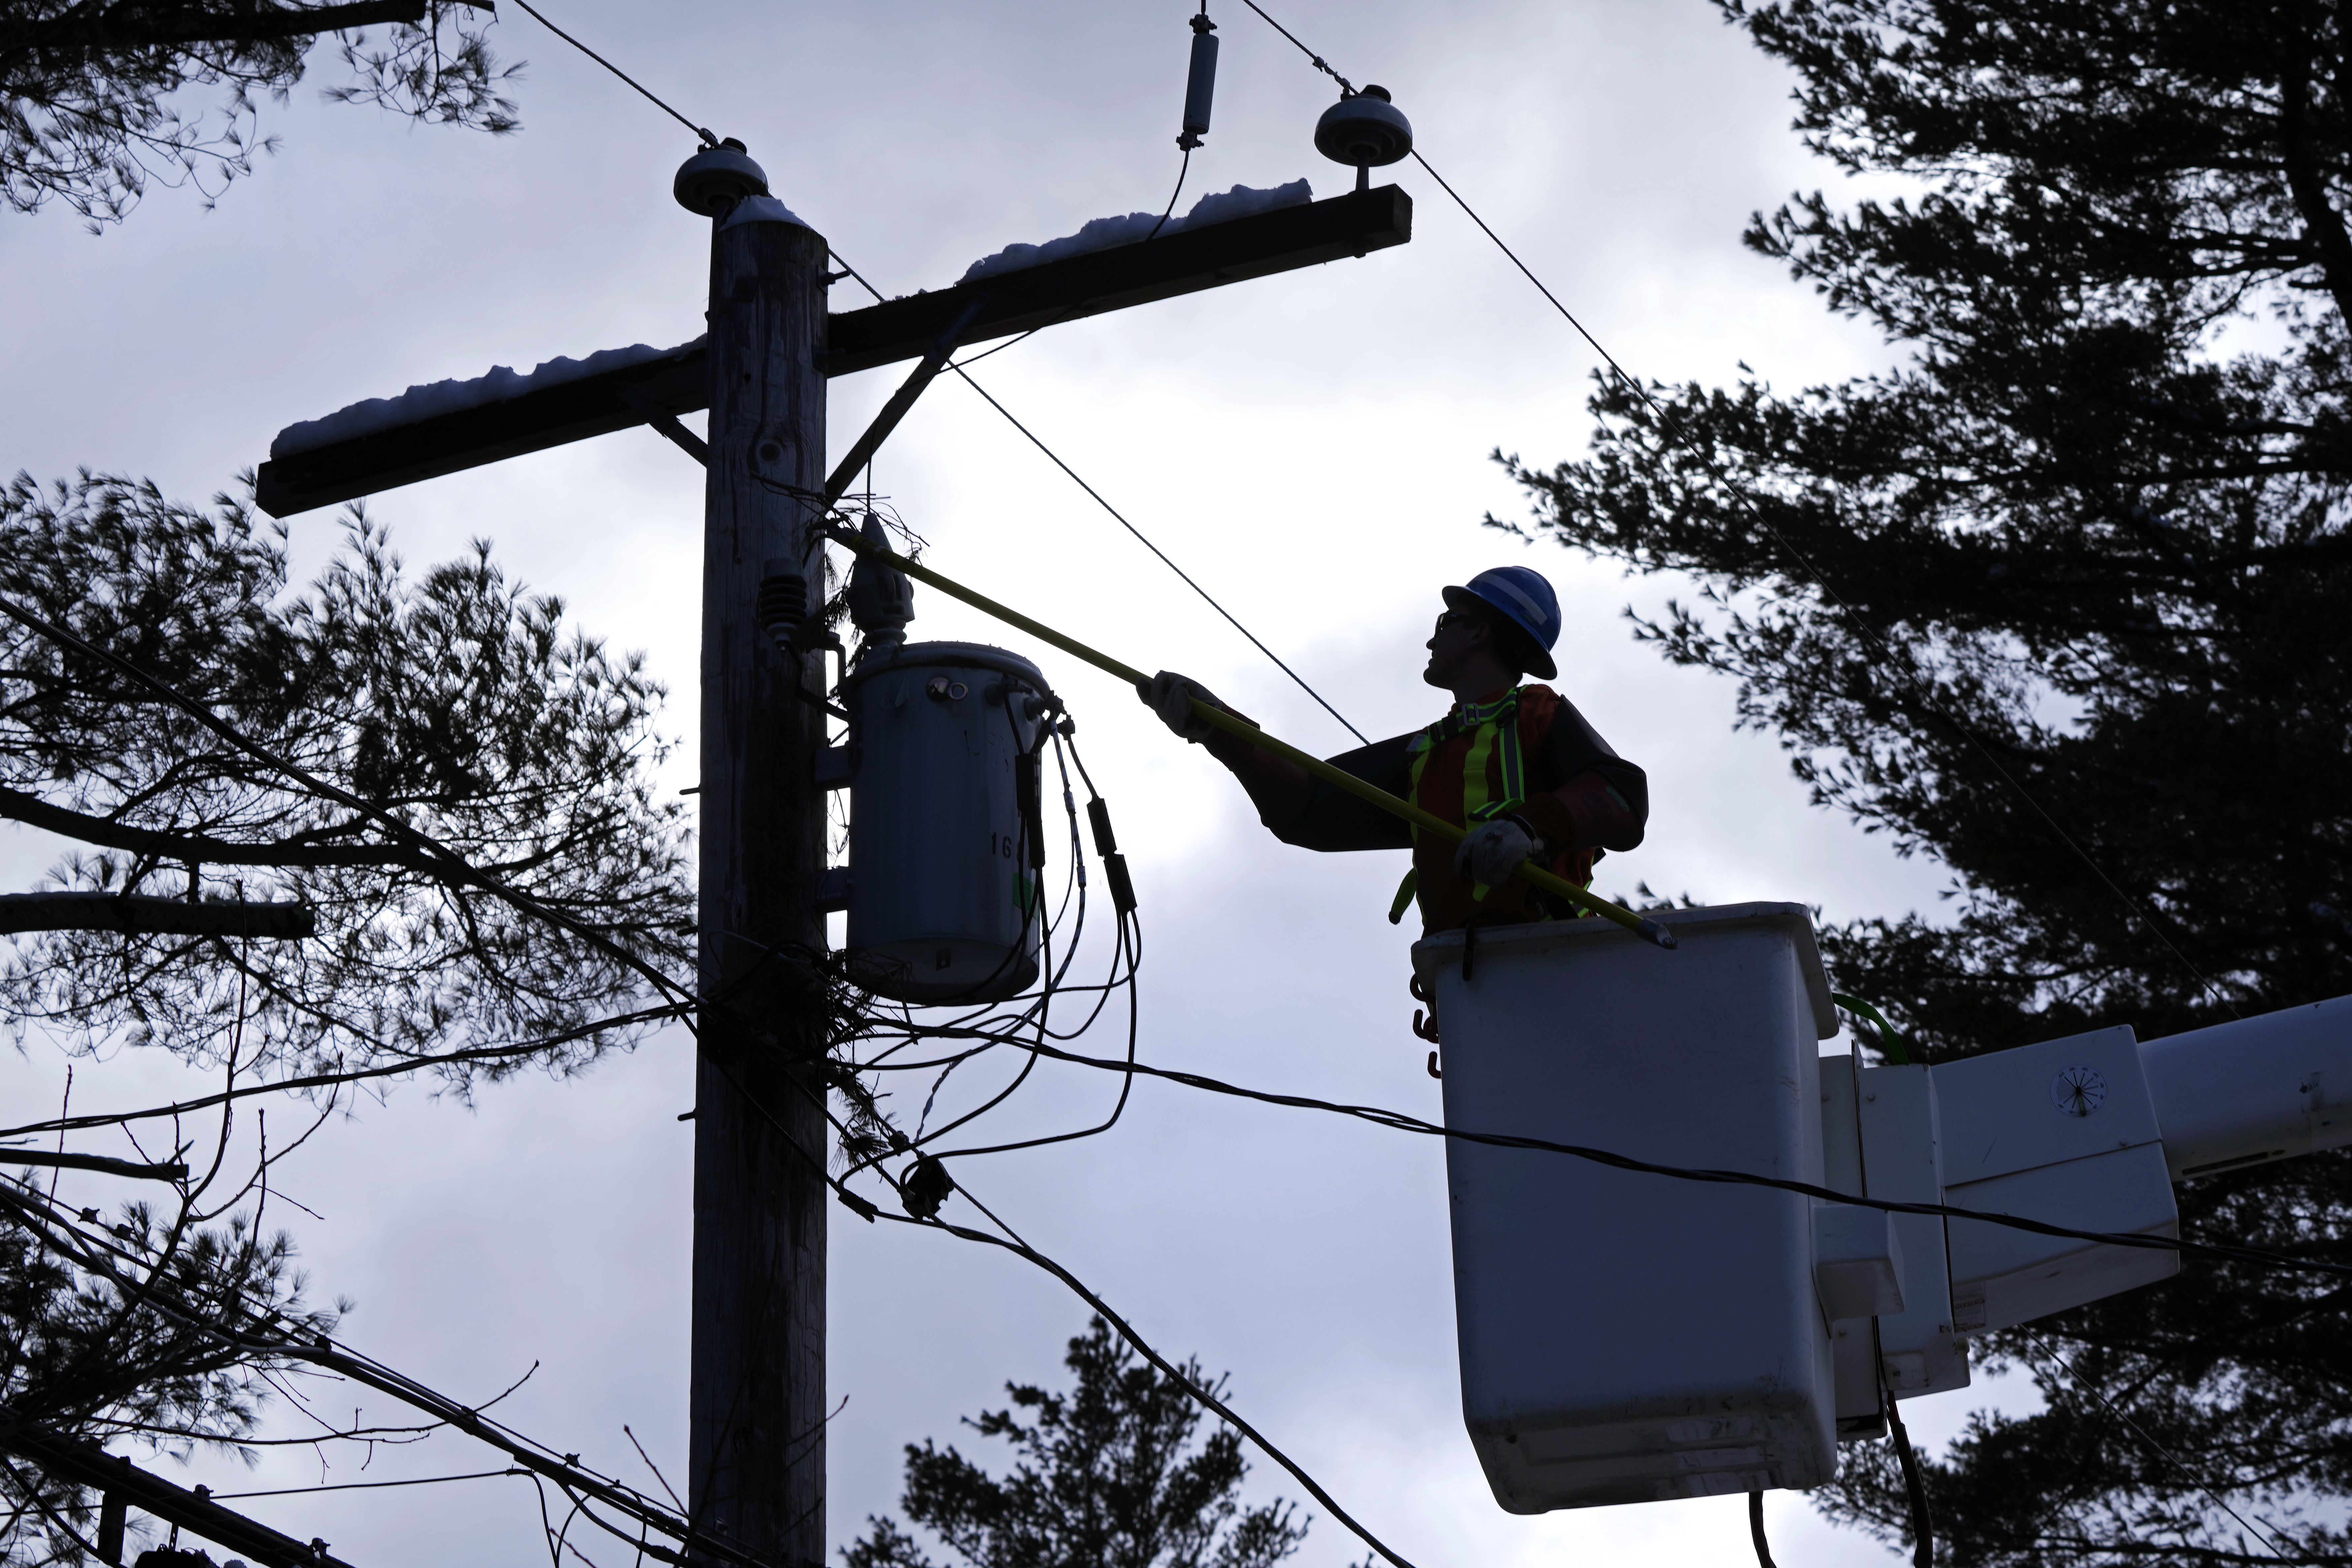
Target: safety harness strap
(1495, 750)
(1494, 731)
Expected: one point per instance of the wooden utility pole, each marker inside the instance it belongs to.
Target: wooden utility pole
(756, 1427)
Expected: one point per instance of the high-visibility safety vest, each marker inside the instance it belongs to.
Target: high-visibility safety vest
(1494, 777)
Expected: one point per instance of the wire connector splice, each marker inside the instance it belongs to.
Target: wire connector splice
(924, 1187)
(1122, 886)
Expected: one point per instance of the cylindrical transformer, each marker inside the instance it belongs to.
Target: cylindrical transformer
(946, 834)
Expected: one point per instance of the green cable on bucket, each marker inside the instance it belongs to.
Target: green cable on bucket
(1890, 1038)
(1650, 930)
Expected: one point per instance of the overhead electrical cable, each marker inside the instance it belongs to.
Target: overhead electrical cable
(1119, 517)
(708, 139)
(58, 1230)
(1012, 1242)
(1168, 1368)
(1680, 437)
(1054, 457)
(1063, 313)
(329, 1079)
(1400, 1121)
(1181, 169)
(370, 1486)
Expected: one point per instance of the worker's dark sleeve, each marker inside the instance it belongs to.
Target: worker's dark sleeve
(1333, 819)
(1602, 802)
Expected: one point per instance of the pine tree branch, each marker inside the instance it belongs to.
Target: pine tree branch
(31, 809)
(51, 1159)
(2323, 225)
(131, 26)
(140, 914)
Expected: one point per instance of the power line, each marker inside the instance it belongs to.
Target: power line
(327, 1079)
(708, 139)
(1127, 1331)
(1063, 313)
(1677, 434)
(1155, 550)
(1320, 64)
(97, 1254)
(1400, 1121)
(1121, 518)
(367, 1486)
(1012, 1243)
(1181, 169)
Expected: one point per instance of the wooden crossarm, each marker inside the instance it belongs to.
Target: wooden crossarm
(1074, 286)
(84, 1464)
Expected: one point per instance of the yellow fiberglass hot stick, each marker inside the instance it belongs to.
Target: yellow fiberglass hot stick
(1649, 929)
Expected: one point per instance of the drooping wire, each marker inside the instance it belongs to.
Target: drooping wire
(1756, 1529)
(1681, 438)
(1168, 1368)
(1063, 314)
(1183, 169)
(1012, 1242)
(1121, 518)
(368, 1486)
(708, 139)
(96, 1252)
(1914, 1478)
(1400, 1121)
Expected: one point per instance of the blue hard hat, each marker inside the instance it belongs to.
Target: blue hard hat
(1524, 600)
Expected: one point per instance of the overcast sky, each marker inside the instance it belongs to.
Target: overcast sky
(1314, 447)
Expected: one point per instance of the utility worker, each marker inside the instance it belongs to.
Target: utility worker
(1516, 764)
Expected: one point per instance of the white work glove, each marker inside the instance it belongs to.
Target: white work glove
(1493, 850)
(1171, 696)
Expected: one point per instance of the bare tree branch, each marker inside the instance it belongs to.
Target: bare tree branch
(139, 914)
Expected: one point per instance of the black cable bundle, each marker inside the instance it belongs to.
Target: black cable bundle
(1122, 886)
